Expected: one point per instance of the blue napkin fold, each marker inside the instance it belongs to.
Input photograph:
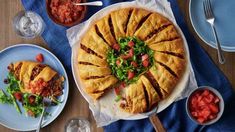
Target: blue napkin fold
(174, 118)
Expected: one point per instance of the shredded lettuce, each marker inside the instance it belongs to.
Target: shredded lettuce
(121, 70)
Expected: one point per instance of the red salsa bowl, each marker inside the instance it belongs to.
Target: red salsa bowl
(205, 105)
(64, 13)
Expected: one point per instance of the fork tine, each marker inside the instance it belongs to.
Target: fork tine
(204, 8)
(210, 9)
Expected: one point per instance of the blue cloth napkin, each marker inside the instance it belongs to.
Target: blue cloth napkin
(174, 118)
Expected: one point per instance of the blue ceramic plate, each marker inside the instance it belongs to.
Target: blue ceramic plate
(224, 22)
(9, 117)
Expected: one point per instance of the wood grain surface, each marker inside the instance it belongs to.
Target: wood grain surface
(76, 105)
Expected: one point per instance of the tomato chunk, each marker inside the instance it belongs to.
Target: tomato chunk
(18, 96)
(116, 46)
(131, 52)
(131, 75)
(145, 63)
(31, 99)
(131, 44)
(39, 58)
(117, 90)
(118, 62)
(145, 57)
(134, 64)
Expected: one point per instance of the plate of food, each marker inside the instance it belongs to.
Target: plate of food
(30, 73)
(126, 65)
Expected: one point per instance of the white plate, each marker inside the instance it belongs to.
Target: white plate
(106, 105)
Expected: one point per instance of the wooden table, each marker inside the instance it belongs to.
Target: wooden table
(76, 106)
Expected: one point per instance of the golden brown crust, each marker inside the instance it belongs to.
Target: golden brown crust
(104, 28)
(166, 34)
(45, 73)
(174, 46)
(95, 43)
(90, 59)
(153, 22)
(157, 32)
(96, 87)
(152, 96)
(174, 64)
(119, 20)
(135, 18)
(136, 101)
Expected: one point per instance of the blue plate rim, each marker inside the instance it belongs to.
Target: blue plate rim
(225, 48)
(66, 79)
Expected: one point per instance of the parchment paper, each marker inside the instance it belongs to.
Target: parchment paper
(105, 110)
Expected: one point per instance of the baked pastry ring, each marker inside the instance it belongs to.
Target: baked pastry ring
(152, 28)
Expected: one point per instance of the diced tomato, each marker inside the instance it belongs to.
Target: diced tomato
(39, 58)
(30, 113)
(211, 117)
(31, 99)
(207, 99)
(122, 85)
(194, 113)
(216, 100)
(205, 113)
(205, 92)
(214, 108)
(116, 46)
(134, 64)
(203, 106)
(131, 52)
(124, 57)
(145, 63)
(200, 120)
(131, 44)
(131, 75)
(117, 90)
(18, 96)
(118, 62)
(144, 57)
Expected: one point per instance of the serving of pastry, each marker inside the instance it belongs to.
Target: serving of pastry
(29, 82)
(136, 52)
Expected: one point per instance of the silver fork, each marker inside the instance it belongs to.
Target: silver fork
(210, 19)
(46, 103)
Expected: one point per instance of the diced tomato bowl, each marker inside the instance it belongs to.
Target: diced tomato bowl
(64, 12)
(205, 105)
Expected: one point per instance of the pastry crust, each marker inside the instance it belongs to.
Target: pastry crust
(135, 98)
(157, 32)
(29, 73)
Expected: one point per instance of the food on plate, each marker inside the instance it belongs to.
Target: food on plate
(29, 82)
(204, 105)
(65, 11)
(136, 52)
(39, 58)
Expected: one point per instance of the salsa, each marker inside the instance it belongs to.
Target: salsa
(129, 58)
(64, 10)
(204, 105)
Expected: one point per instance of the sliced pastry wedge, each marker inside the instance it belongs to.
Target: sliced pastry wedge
(104, 26)
(151, 94)
(37, 78)
(95, 87)
(135, 98)
(119, 21)
(174, 64)
(137, 17)
(167, 34)
(95, 45)
(151, 26)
